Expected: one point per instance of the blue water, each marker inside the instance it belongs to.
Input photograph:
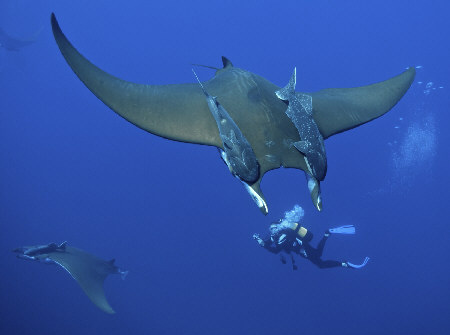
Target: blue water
(170, 213)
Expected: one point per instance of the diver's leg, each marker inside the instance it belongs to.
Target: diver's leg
(315, 257)
(321, 244)
(294, 267)
(328, 264)
(282, 258)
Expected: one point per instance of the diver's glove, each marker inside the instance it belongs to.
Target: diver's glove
(303, 253)
(281, 239)
(258, 239)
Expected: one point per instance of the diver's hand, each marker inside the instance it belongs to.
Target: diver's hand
(303, 253)
(258, 239)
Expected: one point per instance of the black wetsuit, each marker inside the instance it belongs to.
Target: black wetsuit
(315, 255)
(290, 243)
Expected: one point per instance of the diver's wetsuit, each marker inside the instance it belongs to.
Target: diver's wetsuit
(288, 241)
(315, 254)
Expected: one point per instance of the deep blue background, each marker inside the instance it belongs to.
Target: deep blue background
(71, 169)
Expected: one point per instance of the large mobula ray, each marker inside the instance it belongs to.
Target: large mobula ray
(180, 112)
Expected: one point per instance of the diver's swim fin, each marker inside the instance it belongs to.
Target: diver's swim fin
(355, 266)
(348, 229)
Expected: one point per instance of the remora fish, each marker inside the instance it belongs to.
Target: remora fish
(311, 143)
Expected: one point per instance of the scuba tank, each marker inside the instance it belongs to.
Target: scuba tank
(302, 232)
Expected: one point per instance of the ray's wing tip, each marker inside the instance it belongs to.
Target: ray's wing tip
(53, 20)
(407, 76)
(105, 308)
(100, 301)
(404, 80)
(411, 70)
(110, 311)
(56, 29)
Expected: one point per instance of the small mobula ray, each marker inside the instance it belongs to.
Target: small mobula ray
(88, 270)
(14, 44)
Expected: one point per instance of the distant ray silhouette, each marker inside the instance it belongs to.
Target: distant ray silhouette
(14, 44)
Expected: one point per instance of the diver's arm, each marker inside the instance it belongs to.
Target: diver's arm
(272, 248)
(258, 239)
(266, 244)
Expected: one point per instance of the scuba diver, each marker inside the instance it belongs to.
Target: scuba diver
(289, 236)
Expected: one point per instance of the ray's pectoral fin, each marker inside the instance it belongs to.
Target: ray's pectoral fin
(177, 112)
(89, 271)
(237, 152)
(339, 109)
(84, 270)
